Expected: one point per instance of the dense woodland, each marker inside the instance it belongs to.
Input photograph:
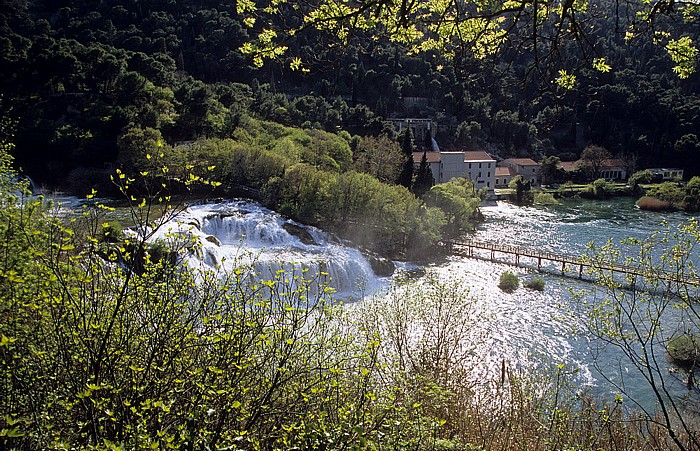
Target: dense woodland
(81, 79)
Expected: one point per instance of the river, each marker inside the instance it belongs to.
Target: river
(527, 329)
(534, 328)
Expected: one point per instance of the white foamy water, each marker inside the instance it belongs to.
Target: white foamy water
(241, 232)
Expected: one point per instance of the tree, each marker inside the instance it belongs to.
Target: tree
(485, 29)
(640, 314)
(593, 159)
(406, 175)
(522, 195)
(424, 177)
(379, 157)
(457, 200)
(549, 170)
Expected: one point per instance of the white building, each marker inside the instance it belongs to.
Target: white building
(526, 167)
(478, 167)
(668, 174)
(503, 176)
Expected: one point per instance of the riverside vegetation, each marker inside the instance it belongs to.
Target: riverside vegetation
(131, 347)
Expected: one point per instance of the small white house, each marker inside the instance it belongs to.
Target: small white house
(526, 167)
(668, 174)
(478, 167)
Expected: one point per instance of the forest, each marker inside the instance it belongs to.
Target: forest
(81, 79)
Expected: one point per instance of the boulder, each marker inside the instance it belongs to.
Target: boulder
(382, 267)
(685, 349)
(299, 232)
(214, 240)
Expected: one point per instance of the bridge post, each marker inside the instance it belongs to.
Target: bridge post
(539, 263)
(580, 271)
(563, 267)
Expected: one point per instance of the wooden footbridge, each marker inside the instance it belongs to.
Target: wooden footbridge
(576, 265)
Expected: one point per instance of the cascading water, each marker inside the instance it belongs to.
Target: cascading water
(242, 232)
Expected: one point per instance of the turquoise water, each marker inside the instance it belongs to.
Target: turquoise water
(530, 329)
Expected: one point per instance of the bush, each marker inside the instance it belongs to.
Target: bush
(509, 282)
(654, 204)
(535, 284)
(542, 198)
(599, 189)
(641, 177)
(111, 232)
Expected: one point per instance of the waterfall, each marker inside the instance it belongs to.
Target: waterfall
(236, 232)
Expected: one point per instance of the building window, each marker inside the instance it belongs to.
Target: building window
(479, 174)
(488, 174)
(488, 165)
(479, 165)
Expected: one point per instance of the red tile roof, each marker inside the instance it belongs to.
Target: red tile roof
(478, 155)
(502, 171)
(521, 161)
(432, 157)
(568, 166)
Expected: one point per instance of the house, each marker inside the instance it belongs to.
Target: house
(611, 169)
(503, 176)
(477, 166)
(668, 174)
(526, 167)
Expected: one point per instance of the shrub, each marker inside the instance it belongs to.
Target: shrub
(542, 198)
(509, 282)
(654, 204)
(535, 284)
(599, 189)
(641, 177)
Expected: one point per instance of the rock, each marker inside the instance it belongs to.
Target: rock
(382, 267)
(299, 232)
(685, 349)
(214, 240)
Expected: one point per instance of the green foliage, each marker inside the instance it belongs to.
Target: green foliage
(424, 177)
(111, 232)
(641, 177)
(508, 282)
(599, 189)
(542, 198)
(522, 194)
(670, 192)
(535, 284)
(549, 171)
(593, 159)
(380, 157)
(407, 147)
(458, 201)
